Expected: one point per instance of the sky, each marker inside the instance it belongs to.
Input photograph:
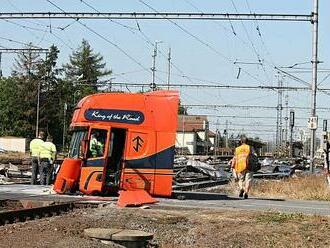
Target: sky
(207, 52)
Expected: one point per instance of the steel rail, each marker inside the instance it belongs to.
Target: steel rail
(24, 214)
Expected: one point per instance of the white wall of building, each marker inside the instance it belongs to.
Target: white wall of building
(186, 139)
(14, 144)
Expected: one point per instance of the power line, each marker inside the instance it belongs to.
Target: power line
(222, 86)
(157, 16)
(248, 117)
(101, 36)
(143, 36)
(20, 42)
(202, 41)
(20, 50)
(260, 35)
(260, 60)
(118, 23)
(217, 86)
(215, 106)
(148, 41)
(30, 29)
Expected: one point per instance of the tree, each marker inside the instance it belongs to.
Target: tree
(24, 87)
(19, 95)
(10, 112)
(52, 95)
(26, 63)
(86, 67)
(32, 74)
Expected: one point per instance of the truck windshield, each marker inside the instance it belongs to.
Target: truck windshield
(75, 145)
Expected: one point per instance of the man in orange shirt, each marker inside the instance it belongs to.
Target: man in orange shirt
(239, 166)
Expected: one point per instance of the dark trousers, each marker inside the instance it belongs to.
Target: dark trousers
(45, 171)
(35, 170)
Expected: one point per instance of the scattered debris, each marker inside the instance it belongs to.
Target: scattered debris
(196, 174)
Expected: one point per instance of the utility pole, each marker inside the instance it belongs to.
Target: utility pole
(206, 137)
(65, 108)
(183, 134)
(226, 133)
(169, 68)
(279, 114)
(38, 107)
(0, 64)
(153, 69)
(315, 22)
(326, 151)
(286, 116)
(216, 138)
(38, 95)
(291, 132)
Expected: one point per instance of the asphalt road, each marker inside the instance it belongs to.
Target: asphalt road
(219, 201)
(186, 200)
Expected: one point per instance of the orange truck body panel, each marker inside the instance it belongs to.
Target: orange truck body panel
(150, 123)
(68, 176)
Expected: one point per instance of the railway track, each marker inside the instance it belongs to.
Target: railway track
(194, 185)
(24, 214)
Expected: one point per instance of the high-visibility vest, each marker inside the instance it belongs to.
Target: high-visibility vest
(48, 150)
(241, 154)
(96, 148)
(35, 146)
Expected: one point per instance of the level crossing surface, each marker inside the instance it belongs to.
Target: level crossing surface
(181, 199)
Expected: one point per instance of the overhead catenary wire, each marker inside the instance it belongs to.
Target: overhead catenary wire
(113, 21)
(217, 106)
(201, 41)
(260, 60)
(19, 42)
(260, 35)
(104, 38)
(44, 31)
(143, 37)
(232, 31)
(151, 45)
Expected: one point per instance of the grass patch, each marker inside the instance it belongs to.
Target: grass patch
(310, 187)
(313, 187)
(279, 217)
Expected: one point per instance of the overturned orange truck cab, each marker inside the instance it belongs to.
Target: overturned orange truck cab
(121, 141)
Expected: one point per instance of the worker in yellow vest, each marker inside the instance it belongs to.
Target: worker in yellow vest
(47, 158)
(239, 166)
(35, 146)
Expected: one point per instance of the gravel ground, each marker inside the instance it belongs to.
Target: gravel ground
(173, 227)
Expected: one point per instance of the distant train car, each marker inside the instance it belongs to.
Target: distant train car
(121, 141)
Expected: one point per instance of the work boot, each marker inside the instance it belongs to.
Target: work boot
(246, 195)
(241, 193)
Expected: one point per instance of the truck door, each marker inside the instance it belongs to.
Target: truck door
(115, 158)
(96, 156)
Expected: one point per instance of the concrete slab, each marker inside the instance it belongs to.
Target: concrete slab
(115, 234)
(132, 235)
(101, 233)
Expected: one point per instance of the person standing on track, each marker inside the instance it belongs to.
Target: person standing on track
(35, 147)
(239, 166)
(47, 158)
